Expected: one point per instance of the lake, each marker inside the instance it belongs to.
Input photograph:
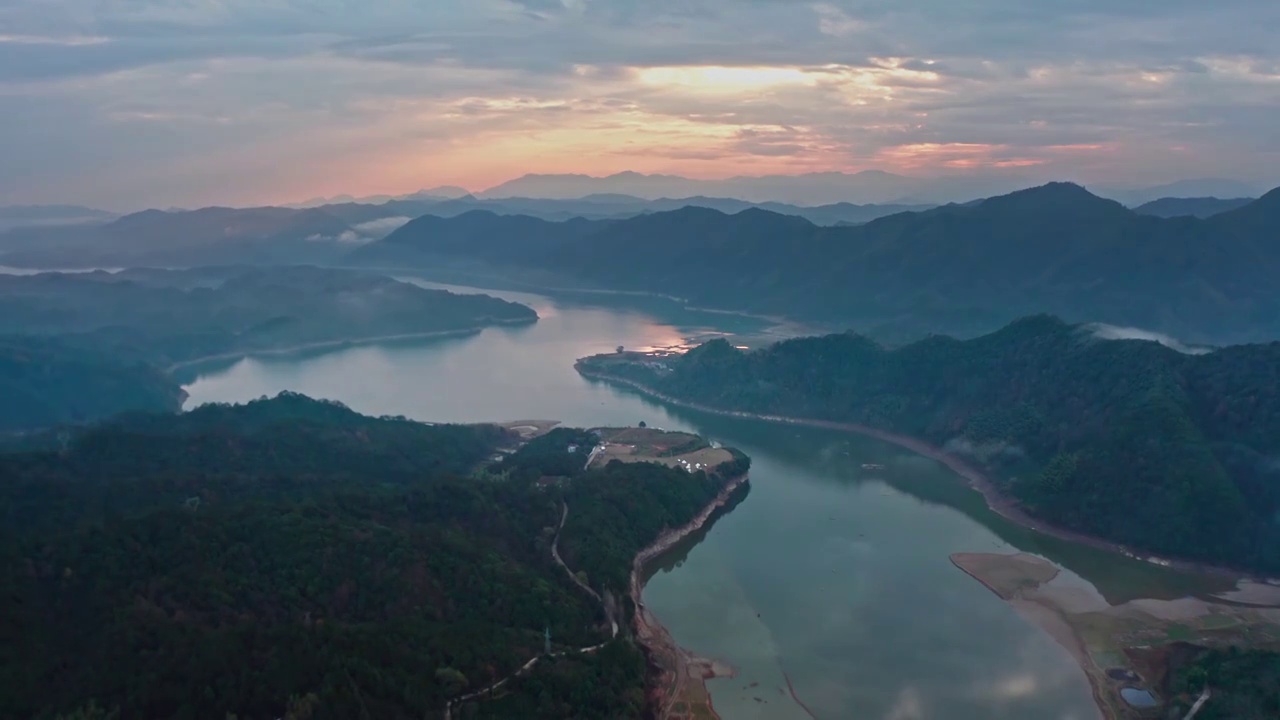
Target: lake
(831, 576)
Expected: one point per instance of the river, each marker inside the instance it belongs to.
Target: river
(834, 575)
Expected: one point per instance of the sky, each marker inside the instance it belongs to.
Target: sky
(124, 104)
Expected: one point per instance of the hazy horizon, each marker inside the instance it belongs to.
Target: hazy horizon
(145, 104)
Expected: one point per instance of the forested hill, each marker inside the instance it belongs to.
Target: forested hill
(44, 382)
(291, 558)
(959, 269)
(1124, 439)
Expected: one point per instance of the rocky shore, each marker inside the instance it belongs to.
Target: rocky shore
(680, 677)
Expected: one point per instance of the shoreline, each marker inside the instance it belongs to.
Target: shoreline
(996, 500)
(345, 342)
(654, 636)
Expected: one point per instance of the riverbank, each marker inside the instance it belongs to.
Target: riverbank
(681, 676)
(340, 343)
(996, 500)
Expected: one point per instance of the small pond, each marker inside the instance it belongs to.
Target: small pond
(1137, 697)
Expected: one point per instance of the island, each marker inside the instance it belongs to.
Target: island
(292, 558)
(1163, 454)
(110, 339)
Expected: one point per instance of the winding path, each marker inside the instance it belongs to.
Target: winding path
(1200, 701)
(555, 553)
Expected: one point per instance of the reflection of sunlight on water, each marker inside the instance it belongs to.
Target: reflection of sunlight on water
(908, 706)
(1017, 686)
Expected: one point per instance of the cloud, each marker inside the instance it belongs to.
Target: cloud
(63, 41)
(1114, 332)
(833, 21)
(345, 237)
(984, 451)
(140, 102)
(380, 228)
(907, 706)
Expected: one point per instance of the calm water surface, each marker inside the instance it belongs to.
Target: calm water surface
(830, 575)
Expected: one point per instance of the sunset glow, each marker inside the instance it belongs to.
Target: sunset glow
(135, 104)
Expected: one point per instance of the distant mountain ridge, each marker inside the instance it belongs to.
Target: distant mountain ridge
(1194, 188)
(25, 215)
(825, 188)
(1202, 207)
(321, 234)
(965, 269)
(822, 188)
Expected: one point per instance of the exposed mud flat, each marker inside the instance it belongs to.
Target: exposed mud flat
(1100, 636)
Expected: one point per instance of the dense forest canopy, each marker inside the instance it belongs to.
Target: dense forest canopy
(290, 555)
(958, 269)
(1128, 440)
(1244, 684)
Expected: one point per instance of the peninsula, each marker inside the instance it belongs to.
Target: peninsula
(1063, 429)
(112, 340)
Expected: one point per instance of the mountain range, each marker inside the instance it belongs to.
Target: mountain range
(895, 271)
(963, 269)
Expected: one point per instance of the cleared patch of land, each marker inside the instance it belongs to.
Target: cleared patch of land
(1102, 637)
(673, 449)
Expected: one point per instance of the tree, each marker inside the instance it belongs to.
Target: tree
(453, 681)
